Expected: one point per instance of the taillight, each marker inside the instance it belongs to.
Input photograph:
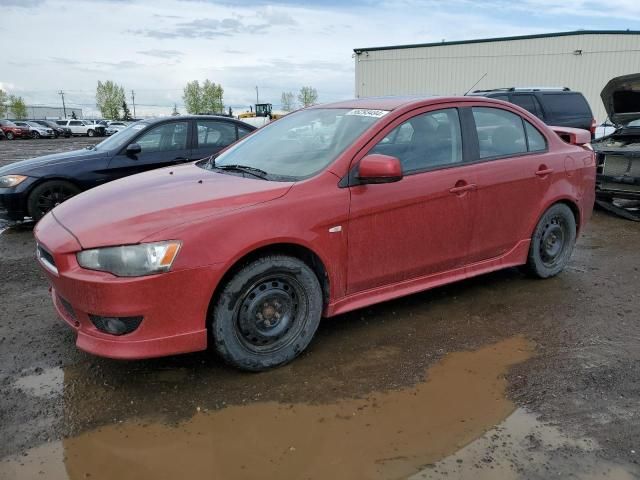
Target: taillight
(594, 125)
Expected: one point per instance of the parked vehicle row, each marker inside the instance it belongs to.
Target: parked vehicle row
(58, 128)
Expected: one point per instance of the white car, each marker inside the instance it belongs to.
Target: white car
(36, 130)
(604, 129)
(79, 127)
(115, 127)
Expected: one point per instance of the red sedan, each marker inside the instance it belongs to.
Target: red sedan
(12, 131)
(326, 210)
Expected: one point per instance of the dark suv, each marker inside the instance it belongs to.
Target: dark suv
(560, 107)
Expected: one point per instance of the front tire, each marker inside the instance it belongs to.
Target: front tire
(267, 314)
(91, 133)
(10, 136)
(35, 135)
(552, 242)
(48, 195)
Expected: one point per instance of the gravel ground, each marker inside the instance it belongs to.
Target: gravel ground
(558, 396)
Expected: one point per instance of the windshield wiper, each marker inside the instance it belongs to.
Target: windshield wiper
(256, 172)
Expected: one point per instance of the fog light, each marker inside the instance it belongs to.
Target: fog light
(116, 325)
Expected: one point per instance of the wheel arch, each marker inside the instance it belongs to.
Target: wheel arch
(42, 180)
(569, 202)
(295, 250)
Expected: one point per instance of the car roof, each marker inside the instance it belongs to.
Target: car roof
(379, 103)
(152, 121)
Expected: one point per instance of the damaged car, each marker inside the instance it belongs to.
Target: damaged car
(618, 154)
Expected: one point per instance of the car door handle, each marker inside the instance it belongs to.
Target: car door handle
(463, 188)
(181, 159)
(544, 172)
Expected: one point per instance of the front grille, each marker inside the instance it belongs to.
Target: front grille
(46, 255)
(67, 308)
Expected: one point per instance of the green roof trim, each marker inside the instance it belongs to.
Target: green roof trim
(502, 39)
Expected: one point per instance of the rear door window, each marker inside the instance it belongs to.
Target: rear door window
(213, 133)
(500, 133)
(535, 140)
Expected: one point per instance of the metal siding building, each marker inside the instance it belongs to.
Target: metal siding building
(46, 112)
(583, 60)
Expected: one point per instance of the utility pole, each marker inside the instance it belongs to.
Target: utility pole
(64, 108)
(133, 101)
(257, 99)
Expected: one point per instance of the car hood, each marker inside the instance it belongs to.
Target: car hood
(25, 167)
(621, 98)
(129, 210)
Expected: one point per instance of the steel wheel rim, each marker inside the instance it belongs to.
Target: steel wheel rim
(52, 197)
(553, 241)
(271, 313)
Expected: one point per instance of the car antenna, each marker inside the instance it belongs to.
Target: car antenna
(467, 92)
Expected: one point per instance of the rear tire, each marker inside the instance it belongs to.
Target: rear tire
(552, 242)
(48, 195)
(267, 314)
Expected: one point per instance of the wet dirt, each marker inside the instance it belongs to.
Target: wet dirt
(583, 380)
(385, 435)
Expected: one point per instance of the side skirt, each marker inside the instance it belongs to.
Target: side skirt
(516, 256)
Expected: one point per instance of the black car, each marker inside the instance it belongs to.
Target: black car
(560, 107)
(30, 188)
(618, 154)
(58, 131)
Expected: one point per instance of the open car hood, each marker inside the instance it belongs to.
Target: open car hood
(621, 98)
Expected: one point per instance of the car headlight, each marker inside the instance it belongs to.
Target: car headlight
(131, 260)
(8, 181)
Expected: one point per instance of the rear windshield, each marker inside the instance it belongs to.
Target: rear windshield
(563, 105)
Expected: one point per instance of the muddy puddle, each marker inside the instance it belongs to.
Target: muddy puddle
(386, 435)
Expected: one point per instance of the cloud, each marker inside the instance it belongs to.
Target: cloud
(22, 3)
(261, 22)
(161, 53)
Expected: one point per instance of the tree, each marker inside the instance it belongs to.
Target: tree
(126, 113)
(203, 99)
(18, 107)
(308, 96)
(193, 97)
(4, 99)
(175, 112)
(73, 115)
(212, 97)
(109, 99)
(288, 101)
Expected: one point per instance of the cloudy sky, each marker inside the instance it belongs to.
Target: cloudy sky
(155, 46)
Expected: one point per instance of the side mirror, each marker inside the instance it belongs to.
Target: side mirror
(376, 168)
(133, 149)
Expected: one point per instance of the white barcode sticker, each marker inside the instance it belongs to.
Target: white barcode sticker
(365, 112)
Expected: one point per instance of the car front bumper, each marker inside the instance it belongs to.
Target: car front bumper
(173, 305)
(13, 201)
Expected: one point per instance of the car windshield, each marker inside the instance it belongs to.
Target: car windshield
(298, 145)
(121, 138)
